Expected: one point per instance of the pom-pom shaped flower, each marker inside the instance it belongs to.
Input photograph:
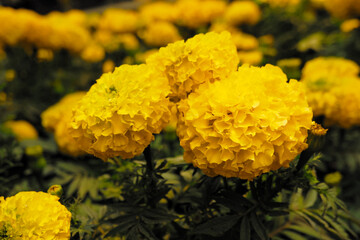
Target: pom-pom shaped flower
(158, 11)
(203, 58)
(120, 113)
(22, 129)
(245, 125)
(242, 12)
(34, 216)
(332, 90)
(119, 20)
(57, 119)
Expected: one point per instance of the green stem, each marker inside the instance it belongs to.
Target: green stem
(304, 158)
(149, 161)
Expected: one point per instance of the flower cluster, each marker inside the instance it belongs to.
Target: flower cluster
(160, 33)
(203, 58)
(332, 90)
(246, 124)
(57, 119)
(120, 113)
(34, 216)
(242, 12)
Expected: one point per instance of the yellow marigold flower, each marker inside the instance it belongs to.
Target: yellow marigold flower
(3, 97)
(129, 41)
(158, 34)
(197, 13)
(57, 119)
(333, 178)
(282, 3)
(119, 20)
(56, 190)
(331, 85)
(120, 113)
(244, 41)
(93, 53)
(107, 39)
(35, 150)
(158, 11)
(322, 67)
(242, 12)
(10, 74)
(108, 66)
(343, 8)
(250, 57)
(45, 54)
(349, 25)
(203, 58)
(22, 129)
(34, 216)
(344, 109)
(246, 124)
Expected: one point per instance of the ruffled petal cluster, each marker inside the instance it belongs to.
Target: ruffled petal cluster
(34, 216)
(203, 58)
(120, 113)
(246, 124)
(332, 86)
(57, 119)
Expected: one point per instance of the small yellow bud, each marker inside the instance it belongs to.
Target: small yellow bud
(333, 178)
(36, 150)
(317, 130)
(56, 190)
(10, 75)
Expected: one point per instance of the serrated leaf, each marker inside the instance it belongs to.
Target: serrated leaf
(245, 231)
(124, 225)
(217, 226)
(309, 231)
(73, 186)
(340, 230)
(258, 226)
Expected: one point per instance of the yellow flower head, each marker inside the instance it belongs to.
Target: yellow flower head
(246, 124)
(198, 13)
(57, 119)
(282, 3)
(349, 25)
(158, 11)
(118, 20)
(120, 113)
(22, 129)
(34, 216)
(333, 178)
(108, 66)
(45, 54)
(128, 41)
(158, 34)
(332, 90)
(343, 8)
(253, 57)
(242, 12)
(93, 53)
(203, 58)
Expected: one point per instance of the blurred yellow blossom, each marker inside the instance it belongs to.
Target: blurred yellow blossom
(141, 57)
(121, 112)
(22, 129)
(45, 54)
(93, 53)
(159, 33)
(34, 216)
(333, 178)
(242, 12)
(158, 11)
(108, 66)
(203, 58)
(250, 57)
(282, 3)
(246, 124)
(343, 8)
(35, 150)
(350, 24)
(198, 13)
(128, 41)
(10, 75)
(57, 119)
(119, 20)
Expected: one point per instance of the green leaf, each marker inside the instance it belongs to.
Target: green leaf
(245, 231)
(293, 236)
(126, 223)
(310, 198)
(217, 226)
(146, 232)
(74, 185)
(340, 230)
(258, 226)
